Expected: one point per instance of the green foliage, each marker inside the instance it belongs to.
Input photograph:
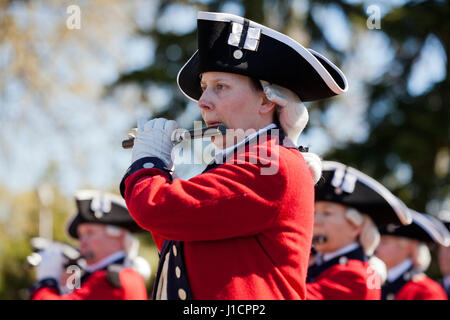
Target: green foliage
(18, 223)
(15, 276)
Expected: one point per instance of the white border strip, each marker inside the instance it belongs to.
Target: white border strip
(437, 230)
(178, 77)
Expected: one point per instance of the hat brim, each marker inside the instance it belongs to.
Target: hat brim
(279, 59)
(72, 228)
(117, 215)
(424, 227)
(369, 196)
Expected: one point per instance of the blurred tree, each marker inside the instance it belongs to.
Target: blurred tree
(412, 132)
(52, 79)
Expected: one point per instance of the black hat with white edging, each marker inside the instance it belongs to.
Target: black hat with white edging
(424, 227)
(229, 43)
(94, 206)
(350, 187)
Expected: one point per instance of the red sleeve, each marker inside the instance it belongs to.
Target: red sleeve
(45, 293)
(231, 200)
(425, 289)
(159, 240)
(97, 287)
(341, 283)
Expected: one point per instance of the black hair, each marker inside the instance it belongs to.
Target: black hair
(256, 84)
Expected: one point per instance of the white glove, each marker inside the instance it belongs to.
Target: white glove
(153, 140)
(315, 165)
(52, 263)
(292, 113)
(380, 269)
(141, 265)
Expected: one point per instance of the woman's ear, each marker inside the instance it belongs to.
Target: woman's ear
(266, 105)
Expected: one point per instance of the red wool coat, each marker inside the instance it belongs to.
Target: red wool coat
(421, 287)
(98, 287)
(246, 235)
(349, 281)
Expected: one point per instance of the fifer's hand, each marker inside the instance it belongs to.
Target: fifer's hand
(153, 139)
(52, 263)
(292, 113)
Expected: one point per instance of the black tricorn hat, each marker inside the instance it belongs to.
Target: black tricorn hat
(94, 206)
(350, 187)
(424, 227)
(229, 43)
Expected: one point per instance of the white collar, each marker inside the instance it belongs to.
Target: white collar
(350, 247)
(395, 272)
(220, 153)
(105, 261)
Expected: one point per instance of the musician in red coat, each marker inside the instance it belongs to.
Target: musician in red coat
(348, 206)
(108, 269)
(242, 229)
(406, 254)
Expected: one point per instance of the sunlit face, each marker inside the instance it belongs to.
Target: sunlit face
(232, 100)
(96, 243)
(394, 250)
(330, 221)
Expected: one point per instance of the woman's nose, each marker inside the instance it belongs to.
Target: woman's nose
(204, 102)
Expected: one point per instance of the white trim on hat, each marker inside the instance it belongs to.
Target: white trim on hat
(402, 211)
(315, 53)
(308, 54)
(178, 78)
(88, 194)
(433, 227)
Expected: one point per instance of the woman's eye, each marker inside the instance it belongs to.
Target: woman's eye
(220, 86)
